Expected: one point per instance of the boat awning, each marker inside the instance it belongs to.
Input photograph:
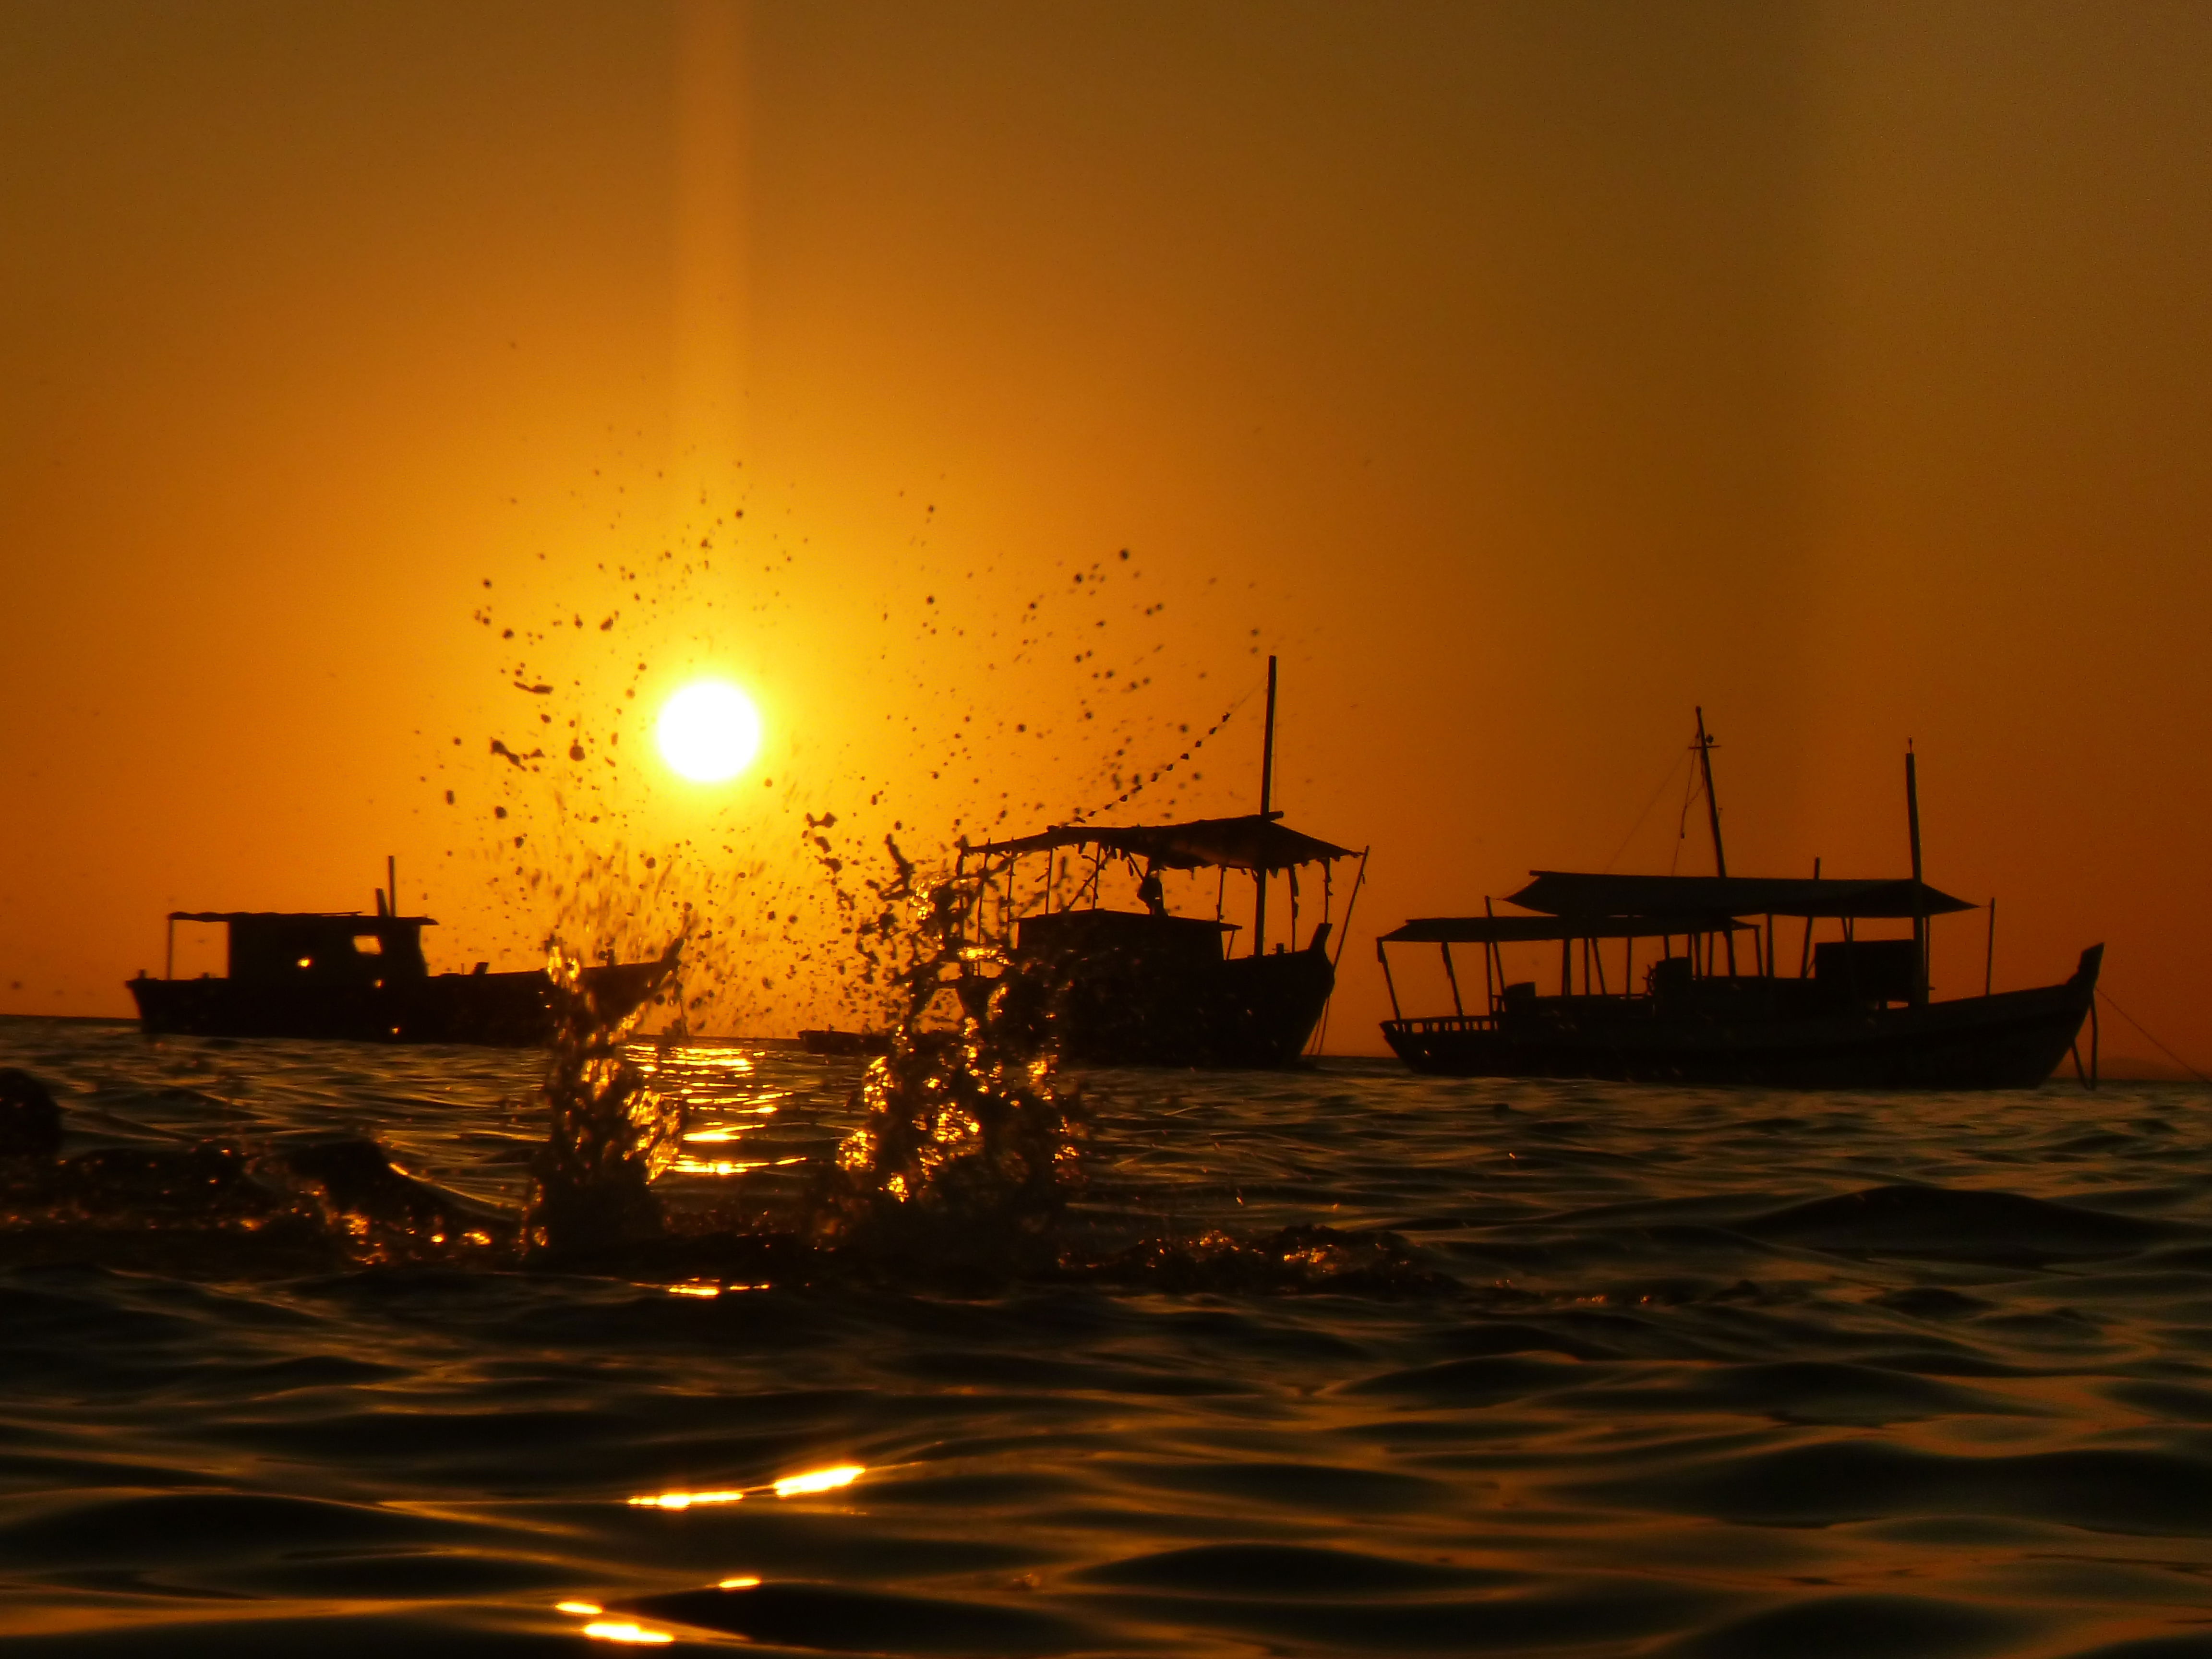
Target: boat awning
(1562, 893)
(1252, 843)
(360, 922)
(1516, 930)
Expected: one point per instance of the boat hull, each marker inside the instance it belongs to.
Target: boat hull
(502, 1010)
(2014, 1040)
(1125, 1010)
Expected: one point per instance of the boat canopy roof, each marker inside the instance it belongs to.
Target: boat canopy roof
(1254, 842)
(1516, 930)
(353, 919)
(1562, 893)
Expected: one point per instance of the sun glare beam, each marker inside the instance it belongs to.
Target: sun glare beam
(709, 731)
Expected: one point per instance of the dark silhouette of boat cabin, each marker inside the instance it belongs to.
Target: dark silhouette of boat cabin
(363, 979)
(1713, 1007)
(1107, 987)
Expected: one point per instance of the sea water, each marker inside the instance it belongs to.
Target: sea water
(1337, 1360)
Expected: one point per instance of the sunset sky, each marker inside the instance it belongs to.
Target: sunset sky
(1522, 375)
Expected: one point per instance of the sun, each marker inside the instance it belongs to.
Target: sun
(709, 731)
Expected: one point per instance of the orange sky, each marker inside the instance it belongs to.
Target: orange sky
(1522, 374)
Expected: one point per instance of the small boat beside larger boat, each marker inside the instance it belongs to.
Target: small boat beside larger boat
(1713, 1007)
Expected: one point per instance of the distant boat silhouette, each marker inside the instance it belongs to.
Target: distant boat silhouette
(831, 1040)
(1857, 1015)
(363, 979)
(1143, 988)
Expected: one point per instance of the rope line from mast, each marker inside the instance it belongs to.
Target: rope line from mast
(1157, 772)
(2153, 1041)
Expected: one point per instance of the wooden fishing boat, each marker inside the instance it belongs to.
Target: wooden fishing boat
(1711, 1006)
(1144, 987)
(362, 978)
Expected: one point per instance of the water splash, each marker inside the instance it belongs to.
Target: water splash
(968, 1145)
(610, 1132)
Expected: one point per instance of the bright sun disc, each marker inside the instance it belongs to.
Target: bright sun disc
(709, 731)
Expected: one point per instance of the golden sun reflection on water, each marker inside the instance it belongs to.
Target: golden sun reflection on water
(684, 1500)
(819, 1480)
(621, 1629)
(792, 1485)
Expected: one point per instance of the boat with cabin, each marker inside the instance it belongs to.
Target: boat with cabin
(1108, 986)
(361, 978)
(1713, 1006)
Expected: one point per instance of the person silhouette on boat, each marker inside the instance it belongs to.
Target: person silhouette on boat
(1150, 890)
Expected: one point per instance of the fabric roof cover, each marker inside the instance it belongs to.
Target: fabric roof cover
(359, 922)
(1562, 893)
(1251, 842)
(1513, 930)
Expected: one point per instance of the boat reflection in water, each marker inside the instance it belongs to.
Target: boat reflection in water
(1856, 1014)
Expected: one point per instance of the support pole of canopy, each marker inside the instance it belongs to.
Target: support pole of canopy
(1388, 984)
(1266, 802)
(169, 954)
(1919, 903)
(1492, 956)
(1458, 1007)
(1805, 956)
(1990, 956)
(1351, 904)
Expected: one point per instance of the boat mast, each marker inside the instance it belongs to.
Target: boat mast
(1919, 900)
(1713, 805)
(1713, 818)
(1267, 800)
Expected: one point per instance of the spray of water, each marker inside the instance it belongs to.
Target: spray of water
(609, 1133)
(968, 1145)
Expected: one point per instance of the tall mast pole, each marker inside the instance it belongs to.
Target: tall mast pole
(1713, 805)
(1919, 900)
(1713, 818)
(1267, 800)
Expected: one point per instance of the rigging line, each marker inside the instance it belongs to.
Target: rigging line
(1690, 791)
(2153, 1041)
(1679, 760)
(1138, 787)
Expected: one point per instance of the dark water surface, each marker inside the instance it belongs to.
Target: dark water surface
(1700, 1372)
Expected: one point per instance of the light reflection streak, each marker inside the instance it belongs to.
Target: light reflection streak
(747, 1582)
(580, 1609)
(819, 1481)
(684, 1500)
(720, 1166)
(792, 1485)
(621, 1629)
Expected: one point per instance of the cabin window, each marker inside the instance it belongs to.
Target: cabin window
(368, 944)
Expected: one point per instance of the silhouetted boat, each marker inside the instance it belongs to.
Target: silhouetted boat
(363, 979)
(1145, 987)
(1857, 1014)
(830, 1041)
